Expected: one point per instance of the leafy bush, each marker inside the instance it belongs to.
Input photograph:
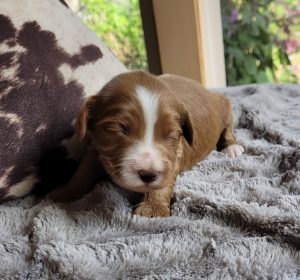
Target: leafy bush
(118, 23)
(259, 37)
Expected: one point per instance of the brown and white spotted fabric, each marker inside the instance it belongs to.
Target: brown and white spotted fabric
(49, 61)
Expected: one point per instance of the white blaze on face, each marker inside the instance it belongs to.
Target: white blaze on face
(149, 102)
(144, 155)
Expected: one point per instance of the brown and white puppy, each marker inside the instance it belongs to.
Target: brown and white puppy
(145, 130)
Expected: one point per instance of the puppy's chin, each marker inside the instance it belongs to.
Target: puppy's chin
(141, 189)
(136, 187)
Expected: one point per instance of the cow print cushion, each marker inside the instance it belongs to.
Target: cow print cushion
(49, 62)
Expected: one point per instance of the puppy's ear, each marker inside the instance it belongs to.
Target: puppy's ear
(186, 126)
(82, 122)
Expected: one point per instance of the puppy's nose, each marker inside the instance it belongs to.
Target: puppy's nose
(147, 176)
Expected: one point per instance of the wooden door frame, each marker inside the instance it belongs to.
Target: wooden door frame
(184, 37)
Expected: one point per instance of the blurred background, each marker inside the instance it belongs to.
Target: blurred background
(261, 38)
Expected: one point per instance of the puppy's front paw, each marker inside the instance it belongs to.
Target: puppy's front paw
(234, 150)
(152, 210)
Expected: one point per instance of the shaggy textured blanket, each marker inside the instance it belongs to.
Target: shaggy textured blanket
(232, 218)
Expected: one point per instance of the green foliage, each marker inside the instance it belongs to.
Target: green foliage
(118, 24)
(257, 39)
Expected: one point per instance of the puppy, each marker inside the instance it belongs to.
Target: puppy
(144, 130)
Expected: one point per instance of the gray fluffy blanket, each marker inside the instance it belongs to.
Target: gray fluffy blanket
(232, 218)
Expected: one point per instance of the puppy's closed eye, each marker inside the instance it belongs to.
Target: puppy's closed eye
(173, 136)
(114, 127)
(120, 128)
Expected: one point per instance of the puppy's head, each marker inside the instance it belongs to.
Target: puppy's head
(137, 126)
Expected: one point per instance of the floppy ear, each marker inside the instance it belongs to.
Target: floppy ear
(82, 122)
(186, 126)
